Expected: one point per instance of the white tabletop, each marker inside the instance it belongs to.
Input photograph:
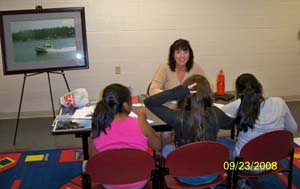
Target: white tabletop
(297, 140)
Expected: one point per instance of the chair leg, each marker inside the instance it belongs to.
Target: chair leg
(158, 173)
(236, 171)
(86, 181)
(235, 179)
(290, 172)
(229, 175)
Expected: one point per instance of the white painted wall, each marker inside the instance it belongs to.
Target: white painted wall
(257, 36)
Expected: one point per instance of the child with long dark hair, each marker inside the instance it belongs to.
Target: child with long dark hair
(256, 115)
(112, 127)
(195, 119)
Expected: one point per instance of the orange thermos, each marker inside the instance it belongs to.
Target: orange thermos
(221, 83)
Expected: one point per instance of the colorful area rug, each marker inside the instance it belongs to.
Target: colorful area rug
(62, 168)
(278, 181)
(47, 169)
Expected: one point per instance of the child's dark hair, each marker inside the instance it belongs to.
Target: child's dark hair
(113, 98)
(195, 109)
(250, 91)
(184, 45)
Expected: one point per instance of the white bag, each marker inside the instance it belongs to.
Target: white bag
(77, 98)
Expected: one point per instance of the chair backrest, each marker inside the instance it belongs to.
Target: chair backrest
(271, 146)
(120, 166)
(197, 159)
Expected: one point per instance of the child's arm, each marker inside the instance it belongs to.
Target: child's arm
(156, 105)
(92, 149)
(153, 140)
(224, 121)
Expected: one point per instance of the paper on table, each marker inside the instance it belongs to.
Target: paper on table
(137, 104)
(218, 105)
(132, 114)
(297, 140)
(84, 113)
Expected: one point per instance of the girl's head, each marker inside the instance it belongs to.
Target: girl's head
(246, 83)
(195, 109)
(181, 53)
(202, 97)
(116, 99)
(250, 92)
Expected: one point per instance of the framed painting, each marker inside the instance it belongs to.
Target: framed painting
(43, 40)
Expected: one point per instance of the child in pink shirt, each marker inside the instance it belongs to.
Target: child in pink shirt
(112, 128)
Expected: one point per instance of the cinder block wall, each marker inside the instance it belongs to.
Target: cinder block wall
(257, 36)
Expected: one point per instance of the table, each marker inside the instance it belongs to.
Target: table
(297, 140)
(64, 123)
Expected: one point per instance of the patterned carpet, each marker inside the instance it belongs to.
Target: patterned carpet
(61, 169)
(47, 169)
(278, 181)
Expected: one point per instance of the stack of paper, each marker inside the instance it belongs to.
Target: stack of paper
(84, 113)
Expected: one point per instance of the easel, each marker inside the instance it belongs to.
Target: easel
(38, 8)
(50, 90)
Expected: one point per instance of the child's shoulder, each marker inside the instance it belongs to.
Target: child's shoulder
(131, 119)
(275, 100)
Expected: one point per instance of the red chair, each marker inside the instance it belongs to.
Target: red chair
(119, 166)
(264, 150)
(197, 159)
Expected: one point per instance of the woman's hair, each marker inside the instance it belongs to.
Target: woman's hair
(195, 108)
(113, 98)
(183, 45)
(250, 91)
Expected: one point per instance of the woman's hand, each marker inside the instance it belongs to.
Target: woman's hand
(192, 88)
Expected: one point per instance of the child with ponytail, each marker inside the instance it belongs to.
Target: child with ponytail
(112, 127)
(256, 115)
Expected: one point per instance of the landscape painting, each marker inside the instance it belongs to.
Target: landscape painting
(43, 40)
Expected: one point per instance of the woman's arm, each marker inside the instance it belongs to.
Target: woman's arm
(155, 104)
(153, 139)
(199, 70)
(158, 80)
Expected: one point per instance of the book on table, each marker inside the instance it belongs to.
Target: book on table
(64, 123)
(73, 119)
